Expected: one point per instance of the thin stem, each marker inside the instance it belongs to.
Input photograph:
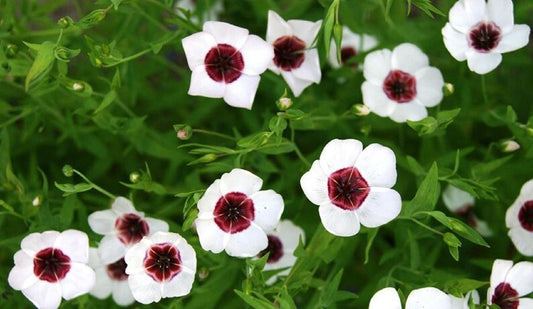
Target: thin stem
(213, 133)
(301, 156)
(484, 90)
(96, 187)
(425, 226)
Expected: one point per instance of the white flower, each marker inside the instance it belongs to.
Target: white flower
(123, 226)
(352, 44)
(508, 283)
(211, 13)
(159, 266)
(111, 279)
(423, 298)
(281, 245)
(463, 302)
(480, 32)
(293, 58)
(462, 204)
(235, 216)
(401, 84)
(226, 61)
(519, 219)
(52, 265)
(352, 186)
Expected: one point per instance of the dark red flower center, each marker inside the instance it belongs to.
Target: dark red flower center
(51, 265)
(485, 36)
(117, 270)
(348, 52)
(525, 215)
(162, 262)
(131, 228)
(224, 63)
(505, 296)
(347, 189)
(233, 212)
(400, 86)
(275, 248)
(467, 212)
(289, 52)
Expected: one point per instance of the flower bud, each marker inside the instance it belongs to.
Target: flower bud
(65, 54)
(284, 103)
(37, 201)
(183, 131)
(448, 89)
(67, 170)
(65, 22)
(360, 110)
(11, 50)
(135, 177)
(509, 146)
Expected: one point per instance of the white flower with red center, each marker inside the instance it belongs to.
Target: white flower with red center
(352, 186)
(123, 226)
(52, 265)
(294, 58)
(234, 215)
(111, 279)
(519, 219)
(352, 45)
(423, 298)
(400, 84)
(508, 283)
(464, 302)
(479, 32)
(226, 61)
(159, 266)
(462, 204)
(281, 245)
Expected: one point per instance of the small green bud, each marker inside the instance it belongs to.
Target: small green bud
(183, 131)
(65, 22)
(37, 201)
(451, 240)
(360, 110)
(135, 177)
(509, 146)
(11, 50)
(448, 89)
(284, 103)
(68, 170)
(92, 19)
(203, 273)
(65, 54)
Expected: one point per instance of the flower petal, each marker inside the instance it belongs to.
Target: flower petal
(501, 12)
(122, 205)
(290, 235)
(314, 183)
(134, 257)
(276, 27)
(103, 222)
(429, 83)
(103, 285)
(305, 30)
(248, 242)
(241, 92)
(188, 256)
(511, 216)
(122, 294)
(196, 47)
(482, 63)
(310, 68)
(179, 286)
(297, 85)
(156, 225)
(257, 55)
(35, 242)
(206, 204)
(369, 42)
(456, 42)
(239, 180)
(525, 303)
(522, 240)
(413, 111)
(225, 33)
(338, 221)
(75, 244)
(144, 289)
(377, 164)
(380, 207)
(520, 277)
(21, 276)
(110, 249)
(500, 268)
(386, 298)
(268, 206)
(377, 66)
(517, 38)
(408, 58)
(44, 294)
(79, 280)
(466, 13)
(338, 154)
(211, 237)
(428, 297)
(203, 85)
(455, 198)
(377, 101)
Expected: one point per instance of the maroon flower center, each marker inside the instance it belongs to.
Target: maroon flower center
(224, 63)
(51, 265)
(275, 248)
(525, 215)
(131, 228)
(347, 189)
(505, 296)
(485, 36)
(400, 86)
(233, 212)
(162, 262)
(289, 52)
(347, 53)
(467, 212)
(117, 270)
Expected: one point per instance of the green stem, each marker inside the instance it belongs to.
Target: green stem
(484, 90)
(425, 226)
(96, 187)
(214, 134)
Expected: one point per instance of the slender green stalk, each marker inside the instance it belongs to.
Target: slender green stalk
(96, 187)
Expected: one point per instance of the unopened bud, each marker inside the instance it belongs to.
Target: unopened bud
(65, 22)
(135, 177)
(360, 110)
(11, 50)
(203, 273)
(65, 54)
(68, 170)
(284, 103)
(448, 89)
(509, 146)
(37, 201)
(183, 131)
(78, 87)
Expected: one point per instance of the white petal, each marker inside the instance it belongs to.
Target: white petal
(196, 47)
(110, 249)
(466, 13)
(310, 68)
(122, 205)
(257, 55)
(517, 38)
(429, 83)
(456, 42)
(210, 198)
(225, 33)
(103, 285)
(103, 222)
(22, 277)
(44, 294)
(156, 225)
(212, 238)
(386, 298)
(35, 242)
(501, 12)
(305, 30)
(268, 207)
(290, 235)
(179, 286)
(375, 98)
(296, 84)
(188, 256)
(239, 180)
(377, 164)
(500, 268)
(380, 207)
(241, 92)
(332, 58)
(203, 85)
(412, 111)
(314, 183)
(369, 42)
(338, 221)
(428, 298)
(409, 58)
(248, 242)
(276, 27)
(482, 63)
(520, 277)
(134, 257)
(75, 244)
(458, 303)
(377, 66)
(144, 289)
(122, 294)
(483, 227)
(79, 280)
(526, 191)
(525, 303)
(511, 216)
(455, 198)
(339, 154)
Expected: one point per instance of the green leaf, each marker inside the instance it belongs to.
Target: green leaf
(92, 19)
(42, 63)
(327, 25)
(444, 118)
(371, 235)
(116, 3)
(428, 193)
(191, 216)
(255, 302)
(459, 227)
(337, 37)
(69, 188)
(254, 140)
(451, 240)
(459, 287)
(327, 298)
(65, 54)
(285, 300)
(116, 82)
(277, 125)
(106, 101)
(454, 252)
(273, 148)
(425, 126)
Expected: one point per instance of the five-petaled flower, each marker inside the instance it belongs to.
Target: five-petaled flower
(401, 84)
(352, 45)
(159, 266)
(51, 265)
(226, 61)
(480, 32)
(352, 186)
(462, 204)
(235, 216)
(123, 226)
(423, 298)
(508, 283)
(294, 58)
(519, 219)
